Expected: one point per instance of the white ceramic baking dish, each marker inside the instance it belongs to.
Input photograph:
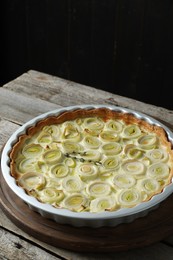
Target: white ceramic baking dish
(64, 216)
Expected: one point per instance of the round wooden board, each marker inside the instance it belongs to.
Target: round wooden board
(144, 231)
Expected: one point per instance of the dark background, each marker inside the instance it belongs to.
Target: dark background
(121, 46)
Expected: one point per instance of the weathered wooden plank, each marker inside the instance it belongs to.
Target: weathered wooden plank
(19, 108)
(12, 228)
(6, 129)
(64, 93)
(13, 247)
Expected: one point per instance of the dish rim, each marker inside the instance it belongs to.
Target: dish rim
(47, 208)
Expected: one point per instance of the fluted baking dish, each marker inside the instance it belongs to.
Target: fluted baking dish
(94, 219)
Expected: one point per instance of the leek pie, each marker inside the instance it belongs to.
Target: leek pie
(92, 160)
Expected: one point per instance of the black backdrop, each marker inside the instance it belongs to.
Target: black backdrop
(121, 46)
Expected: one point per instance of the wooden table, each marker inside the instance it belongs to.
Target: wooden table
(34, 93)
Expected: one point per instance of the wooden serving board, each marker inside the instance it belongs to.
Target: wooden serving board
(154, 227)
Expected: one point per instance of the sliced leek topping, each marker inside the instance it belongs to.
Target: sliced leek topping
(32, 150)
(44, 138)
(150, 185)
(157, 155)
(76, 202)
(72, 184)
(109, 136)
(60, 170)
(52, 156)
(94, 123)
(71, 147)
(111, 162)
(51, 195)
(41, 167)
(112, 148)
(87, 171)
(91, 142)
(133, 167)
(26, 165)
(115, 126)
(53, 183)
(129, 197)
(131, 131)
(70, 162)
(71, 133)
(91, 155)
(124, 181)
(147, 141)
(159, 170)
(78, 121)
(146, 161)
(100, 204)
(32, 181)
(53, 130)
(106, 174)
(98, 188)
(133, 152)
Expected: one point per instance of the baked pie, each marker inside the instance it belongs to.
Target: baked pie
(92, 160)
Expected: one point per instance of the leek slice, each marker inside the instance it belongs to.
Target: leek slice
(72, 184)
(26, 165)
(98, 188)
(133, 151)
(92, 142)
(158, 170)
(53, 182)
(51, 195)
(146, 161)
(93, 123)
(157, 155)
(70, 162)
(124, 181)
(91, 155)
(134, 167)
(71, 147)
(52, 156)
(111, 162)
(76, 202)
(131, 131)
(53, 130)
(59, 170)
(41, 167)
(147, 141)
(150, 185)
(100, 204)
(32, 150)
(115, 126)
(129, 197)
(32, 181)
(71, 132)
(106, 174)
(44, 138)
(112, 148)
(87, 171)
(109, 136)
